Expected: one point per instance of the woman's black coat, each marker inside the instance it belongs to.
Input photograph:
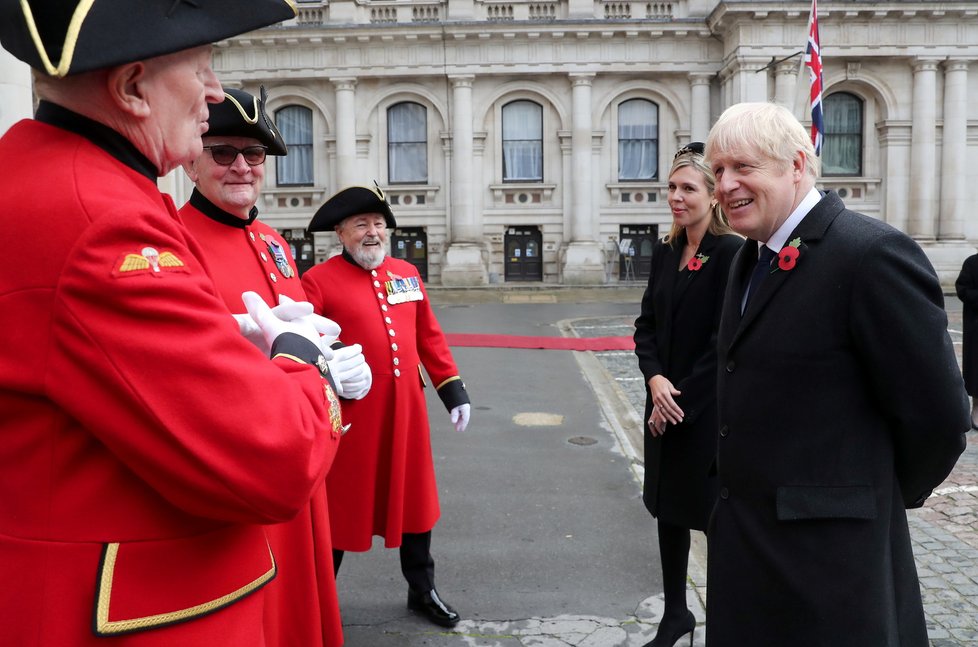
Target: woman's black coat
(675, 336)
(967, 289)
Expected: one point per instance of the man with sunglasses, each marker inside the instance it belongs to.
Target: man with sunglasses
(244, 254)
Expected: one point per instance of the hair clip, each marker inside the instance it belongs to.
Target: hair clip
(695, 148)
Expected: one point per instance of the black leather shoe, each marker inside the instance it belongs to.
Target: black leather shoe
(432, 607)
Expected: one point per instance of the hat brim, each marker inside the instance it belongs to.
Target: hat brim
(63, 38)
(352, 201)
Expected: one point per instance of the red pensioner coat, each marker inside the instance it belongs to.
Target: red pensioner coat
(302, 608)
(139, 462)
(383, 479)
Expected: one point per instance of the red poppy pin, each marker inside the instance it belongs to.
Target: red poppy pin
(696, 263)
(788, 256)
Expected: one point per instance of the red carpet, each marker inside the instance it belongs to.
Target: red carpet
(545, 343)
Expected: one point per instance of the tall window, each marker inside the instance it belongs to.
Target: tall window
(638, 140)
(842, 150)
(407, 143)
(295, 124)
(522, 142)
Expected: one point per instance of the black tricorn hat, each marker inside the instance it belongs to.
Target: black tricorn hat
(243, 115)
(62, 37)
(351, 201)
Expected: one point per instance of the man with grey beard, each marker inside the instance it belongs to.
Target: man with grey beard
(382, 481)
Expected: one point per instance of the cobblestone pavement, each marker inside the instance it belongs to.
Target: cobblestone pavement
(944, 531)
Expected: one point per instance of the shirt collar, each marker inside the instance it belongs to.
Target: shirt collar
(780, 237)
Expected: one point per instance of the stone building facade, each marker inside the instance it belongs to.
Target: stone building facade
(529, 140)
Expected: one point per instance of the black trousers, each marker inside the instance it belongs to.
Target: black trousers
(416, 563)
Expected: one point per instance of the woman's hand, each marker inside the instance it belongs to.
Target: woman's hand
(657, 425)
(664, 407)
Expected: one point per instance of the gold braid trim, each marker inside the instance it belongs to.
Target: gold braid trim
(241, 108)
(290, 356)
(106, 627)
(451, 379)
(71, 37)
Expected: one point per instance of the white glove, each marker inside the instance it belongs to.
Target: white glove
(329, 329)
(287, 311)
(460, 416)
(273, 323)
(350, 372)
(250, 330)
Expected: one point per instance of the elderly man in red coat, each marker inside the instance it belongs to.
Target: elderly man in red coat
(383, 479)
(146, 443)
(244, 254)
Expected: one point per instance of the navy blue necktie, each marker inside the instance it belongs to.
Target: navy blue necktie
(761, 270)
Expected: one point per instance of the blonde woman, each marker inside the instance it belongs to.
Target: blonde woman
(675, 340)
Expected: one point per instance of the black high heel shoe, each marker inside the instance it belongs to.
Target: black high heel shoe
(669, 633)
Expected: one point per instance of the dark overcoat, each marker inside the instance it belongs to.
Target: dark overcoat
(675, 336)
(967, 289)
(840, 404)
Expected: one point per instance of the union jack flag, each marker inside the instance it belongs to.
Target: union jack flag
(813, 61)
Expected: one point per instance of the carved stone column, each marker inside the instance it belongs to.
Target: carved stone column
(699, 115)
(926, 222)
(786, 83)
(954, 203)
(464, 260)
(347, 169)
(584, 259)
(923, 151)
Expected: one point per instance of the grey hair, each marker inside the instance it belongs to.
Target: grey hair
(768, 128)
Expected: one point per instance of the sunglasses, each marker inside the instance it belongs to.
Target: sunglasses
(225, 155)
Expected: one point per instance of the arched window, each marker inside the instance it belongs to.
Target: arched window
(842, 150)
(638, 140)
(522, 142)
(295, 124)
(407, 143)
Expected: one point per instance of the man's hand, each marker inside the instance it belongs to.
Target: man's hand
(272, 324)
(350, 372)
(290, 310)
(250, 331)
(460, 416)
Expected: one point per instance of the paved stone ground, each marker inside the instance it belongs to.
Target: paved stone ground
(944, 531)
